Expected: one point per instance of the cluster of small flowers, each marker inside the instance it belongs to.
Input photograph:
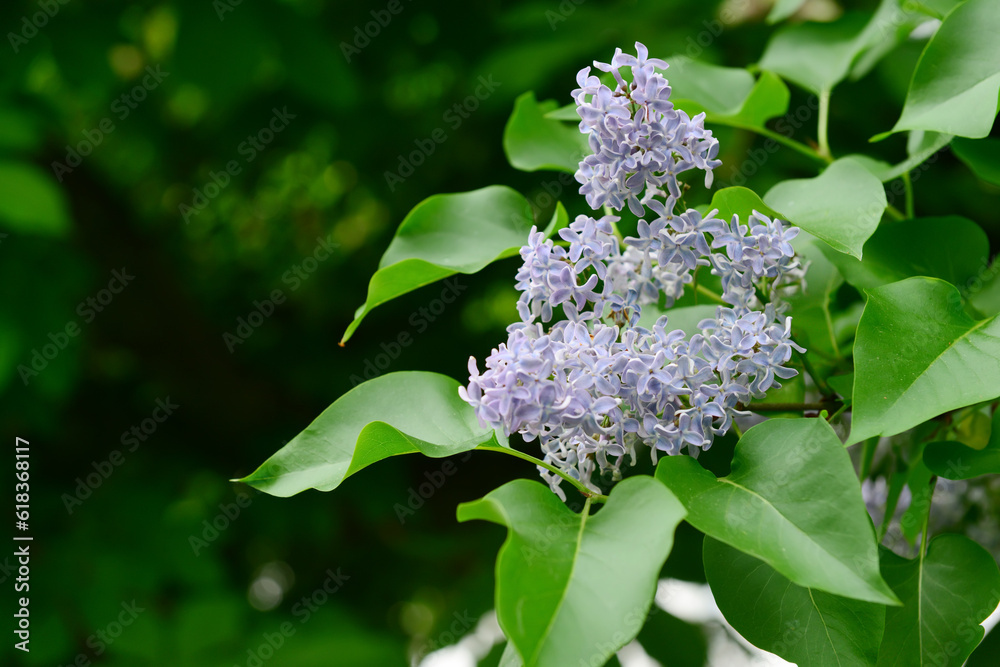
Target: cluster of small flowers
(595, 385)
(640, 142)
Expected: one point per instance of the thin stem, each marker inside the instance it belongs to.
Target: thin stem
(793, 144)
(701, 289)
(824, 119)
(822, 384)
(895, 212)
(829, 327)
(908, 182)
(927, 521)
(837, 413)
(587, 493)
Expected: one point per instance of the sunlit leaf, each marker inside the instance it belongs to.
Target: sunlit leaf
(841, 206)
(448, 234)
(396, 413)
(917, 355)
(550, 595)
(955, 85)
(769, 507)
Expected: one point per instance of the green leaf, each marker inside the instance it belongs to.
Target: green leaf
(661, 637)
(19, 129)
(932, 144)
(918, 355)
(841, 206)
(740, 201)
(957, 79)
(768, 507)
(982, 156)
(946, 595)
(954, 460)
(30, 201)
(802, 625)
(818, 56)
(727, 95)
(396, 413)
(554, 599)
(816, 326)
(950, 248)
(685, 318)
(448, 234)
(532, 141)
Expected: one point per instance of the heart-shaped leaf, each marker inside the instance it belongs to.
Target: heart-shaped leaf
(533, 141)
(742, 202)
(768, 507)
(957, 79)
(396, 413)
(802, 625)
(954, 460)
(727, 95)
(818, 56)
(448, 234)
(552, 597)
(946, 594)
(841, 206)
(917, 355)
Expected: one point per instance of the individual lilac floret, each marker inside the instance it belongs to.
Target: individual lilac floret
(640, 142)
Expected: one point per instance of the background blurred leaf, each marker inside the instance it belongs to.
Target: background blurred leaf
(955, 460)
(955, 86)
(950, 248)
(982, 156)
(30, 201)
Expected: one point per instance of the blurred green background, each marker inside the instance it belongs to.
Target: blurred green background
(100, 160)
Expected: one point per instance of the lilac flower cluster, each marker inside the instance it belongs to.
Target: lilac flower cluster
(593, 386)
(640, 142)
